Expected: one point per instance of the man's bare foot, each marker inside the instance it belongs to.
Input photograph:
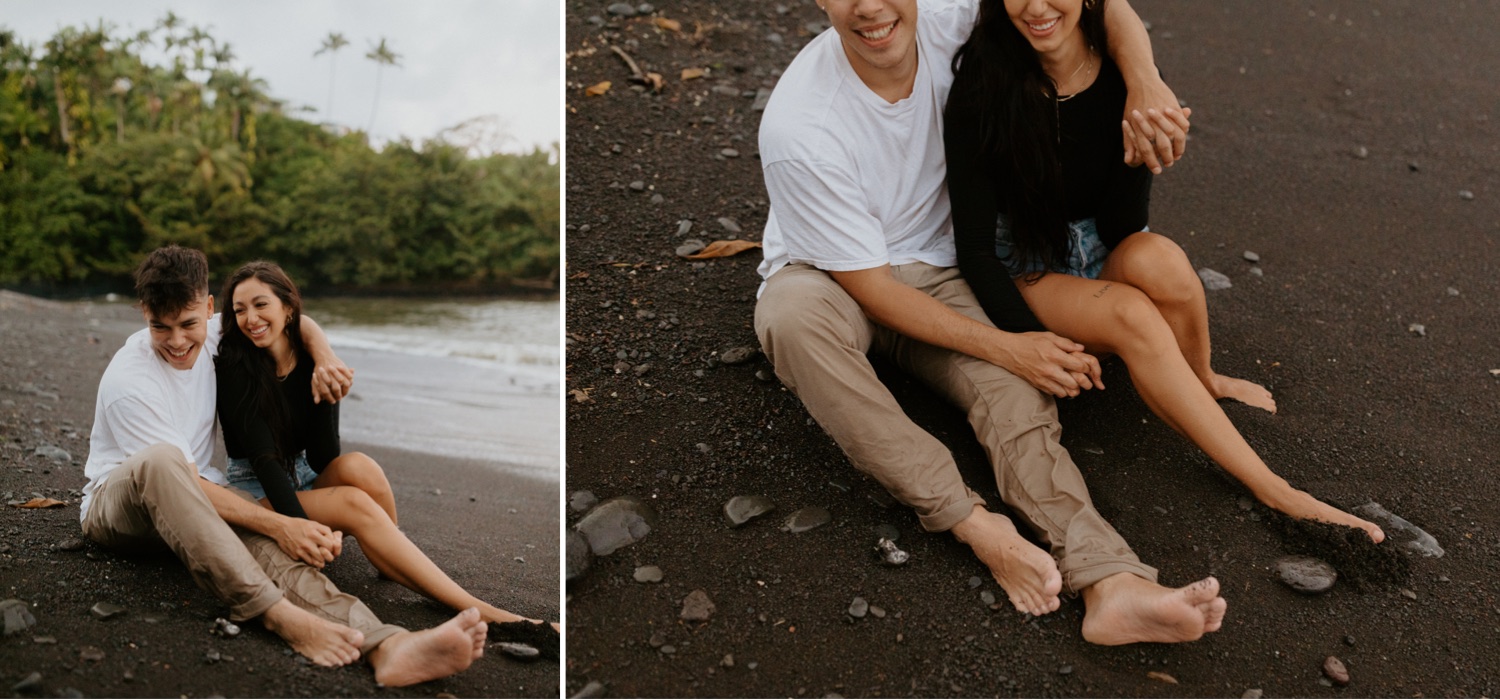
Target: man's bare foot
(1026, 572)
(408, 658)
(322, 642)
(1241, 390)
(1301, 505)
(1125, 609)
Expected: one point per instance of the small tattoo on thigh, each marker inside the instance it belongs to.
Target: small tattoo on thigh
(1102, 290)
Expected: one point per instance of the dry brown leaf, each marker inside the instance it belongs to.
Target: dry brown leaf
(42, 503)
(580, 276)
(670, 25)
(655, 81)
(580, 395)
(1159, 676)
(723, 249)
(691, 73)
(597, 89)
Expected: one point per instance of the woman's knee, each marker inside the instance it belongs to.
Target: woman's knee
(1138, 324)
(357, 508)
(1159, 267)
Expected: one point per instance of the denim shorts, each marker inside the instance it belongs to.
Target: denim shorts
(1086, 252)
(242, 475)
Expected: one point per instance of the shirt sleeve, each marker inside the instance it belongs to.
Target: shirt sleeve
(823, 217)
(1126, 205)
(247, 428)
(323, 436)
(972, 188)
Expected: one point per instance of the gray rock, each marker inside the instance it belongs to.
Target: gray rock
(729, 224)
(1335, 670)
(808, 518)
(581, 501)
(621, 9)
(739, 355)
(727, 661)
(729, 153)
(1213, 280)
(517, 650)
(1465, 195)
(1306, 574)
(1417, 329)
(91, 654)
(225, 628)
(697, 607)
(1252, 256)
(1361, 153)
(648, 574)
(105, 611)
(691, 246)
(762, 95)
(987, 597)
(54, 453)
(743, 509)
(1255, 270)
(594, 689)
(859, 608)
(890, 553)
(31, 681)
(616, 523)
(683, 226)
(72, 544)
(578, 554)
(17, 615)
(1400, 530)
(645, 8)
(975, 582)
(638, 185)
(1253, 693)
(877, 611)
(1453, 291)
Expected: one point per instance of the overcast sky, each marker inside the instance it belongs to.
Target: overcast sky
(460, 59)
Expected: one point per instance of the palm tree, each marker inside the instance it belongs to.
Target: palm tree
(331, 46)
(383, 56)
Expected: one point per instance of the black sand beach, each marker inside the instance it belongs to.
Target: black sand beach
(1352, 146)
(492, 532)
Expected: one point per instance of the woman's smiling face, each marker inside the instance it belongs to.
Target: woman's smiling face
(1047, 24)
(260, 314)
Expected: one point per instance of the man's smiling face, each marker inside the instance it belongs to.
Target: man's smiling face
(879, 36)
(178, 338)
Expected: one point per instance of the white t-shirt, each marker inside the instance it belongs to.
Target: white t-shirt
(857, 182)
(143, 401)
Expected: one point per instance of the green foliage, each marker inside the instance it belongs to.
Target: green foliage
(104, 157)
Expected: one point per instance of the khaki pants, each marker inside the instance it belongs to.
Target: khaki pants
(817, 337)
(154, 499)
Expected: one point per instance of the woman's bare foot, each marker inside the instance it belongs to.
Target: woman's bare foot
(1125, 609)
(1241, 390)
(409, 658)
(1028, 574)
(1301, 505)
(322, 642)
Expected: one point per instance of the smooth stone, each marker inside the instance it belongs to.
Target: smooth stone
(859, 608)
(739, 355)
(1214, 280)
(1399, 529)
(987, 597)
(729, 224)
(622, 9)
(1335, 670)
(578, 554)
(691, 246)
(648, 574)
(762, 96)
(975, 582)
(594, 689)
(524, 652)
(1253, 693)
(727, 661)
(1417, 329)
(638, 185)
(17, 616)
(72, 544)
(1252, 256)
(105, 611)
(54, 453)
(92, 654)
(615, 523)
(683, 226)
(697, 607)
(743, 509)
(1465, 195)
(729, 153)
(31, 680)
(1306, 574)
(806, 519)
(581, 501)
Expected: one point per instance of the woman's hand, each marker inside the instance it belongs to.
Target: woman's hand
(1170, 129)
(310, 542)
(1051, 363)
(331, 381)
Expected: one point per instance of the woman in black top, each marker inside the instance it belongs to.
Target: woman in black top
(284, 448)
(1050, 226)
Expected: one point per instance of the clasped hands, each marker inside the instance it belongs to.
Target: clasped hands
(1154, 128)
(1052, 363)
(312, 543)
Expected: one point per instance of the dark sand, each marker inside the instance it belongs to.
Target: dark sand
(470, 518)
(1332, 138)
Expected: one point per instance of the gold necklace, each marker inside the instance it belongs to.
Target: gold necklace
(1087, 61)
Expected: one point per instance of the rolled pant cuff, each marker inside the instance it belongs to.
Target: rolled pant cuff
(946, 518)
(256, 605)
(1078, 575)
(376, 637)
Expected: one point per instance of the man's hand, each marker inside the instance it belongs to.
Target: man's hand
(311, 542)
(1050, 363)
(1158, 136)
(331, 381)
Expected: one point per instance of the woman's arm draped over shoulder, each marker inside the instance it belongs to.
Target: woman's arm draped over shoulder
(248, 429)
(973, 192)
(1157, 143)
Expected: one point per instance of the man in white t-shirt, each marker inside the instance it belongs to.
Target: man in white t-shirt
(151, 483)
(859, 258)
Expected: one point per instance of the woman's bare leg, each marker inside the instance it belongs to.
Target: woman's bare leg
(353, 511)
(1157, 266)
(358, 470)
(1115, 317)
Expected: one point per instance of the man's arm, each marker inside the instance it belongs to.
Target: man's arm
(1048, 361)
(331, 377)
(311, 542)
(1155, 129)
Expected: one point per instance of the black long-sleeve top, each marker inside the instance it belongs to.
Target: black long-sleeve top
(1096, 184)
(247, 434)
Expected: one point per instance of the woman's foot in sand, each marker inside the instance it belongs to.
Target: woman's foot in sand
(1301, 505)
(1026, 572)
(408, 658)
(322, 642)
(499, 616)
(1241, 390)
(1125, 609)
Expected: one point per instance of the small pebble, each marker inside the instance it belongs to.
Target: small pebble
(1253, 693)
(1306, 574)
(524, 652)
(1417, 329)
(1335, 670)
(1214, 280)
(1252, 256)
(105, 611)
(648, 574)
(1465, 195)
(697, 607)
(858, 608)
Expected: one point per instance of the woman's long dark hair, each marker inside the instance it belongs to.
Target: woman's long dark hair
(238, 354)
(999, 77)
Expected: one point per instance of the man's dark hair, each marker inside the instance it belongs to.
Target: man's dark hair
(170, 279)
